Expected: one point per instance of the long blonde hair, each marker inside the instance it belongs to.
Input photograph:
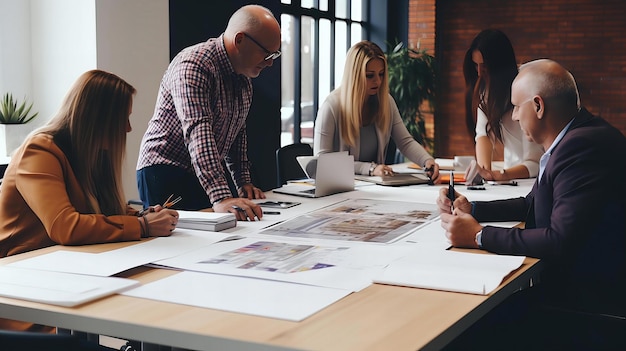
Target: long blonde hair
(90, 127)
(353, 94)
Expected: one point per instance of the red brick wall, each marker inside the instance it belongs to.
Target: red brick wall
(588, 37)
(422, 35)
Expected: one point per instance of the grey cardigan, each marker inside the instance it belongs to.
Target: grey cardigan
(328, 136)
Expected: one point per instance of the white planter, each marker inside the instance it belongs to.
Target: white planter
(12, 136)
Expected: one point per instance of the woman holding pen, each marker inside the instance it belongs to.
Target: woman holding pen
(64, 184)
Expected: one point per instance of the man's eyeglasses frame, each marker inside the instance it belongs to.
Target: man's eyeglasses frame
(270, 55)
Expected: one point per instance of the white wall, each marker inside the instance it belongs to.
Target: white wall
(45, 45)
(15, 57)
(133, 42)
(63, 41)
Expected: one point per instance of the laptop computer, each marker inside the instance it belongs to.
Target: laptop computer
(334, 173)
(398, 179)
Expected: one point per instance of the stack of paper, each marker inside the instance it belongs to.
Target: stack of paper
(57, 288)
(211, 221)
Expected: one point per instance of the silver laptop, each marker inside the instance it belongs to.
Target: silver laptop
(333, 173)
(398, 179)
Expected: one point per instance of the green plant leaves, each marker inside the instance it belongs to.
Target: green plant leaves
(12, 113)
(412, 80)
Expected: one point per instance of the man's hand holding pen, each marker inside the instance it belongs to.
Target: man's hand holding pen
(243, 209)
(456, 219)
(446, 204)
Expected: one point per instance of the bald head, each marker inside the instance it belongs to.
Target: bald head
(252, 19)
(252, 40)
(545, 99)
(551, 81)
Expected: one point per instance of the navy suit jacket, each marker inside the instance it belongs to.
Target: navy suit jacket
(575, 219)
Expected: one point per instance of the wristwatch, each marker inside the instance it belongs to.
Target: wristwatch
(479, 239)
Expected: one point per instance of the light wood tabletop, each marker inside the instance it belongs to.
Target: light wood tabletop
(380, 317)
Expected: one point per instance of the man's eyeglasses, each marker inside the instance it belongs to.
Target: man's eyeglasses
(270, 55)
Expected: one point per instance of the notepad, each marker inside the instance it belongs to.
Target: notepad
(211, 221)
(57, 288)
(463, 272)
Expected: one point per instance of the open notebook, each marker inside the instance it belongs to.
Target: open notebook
(333, 173)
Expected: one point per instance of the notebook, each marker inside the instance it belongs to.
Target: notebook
(211, 221)
(397, 179)
(334, 173)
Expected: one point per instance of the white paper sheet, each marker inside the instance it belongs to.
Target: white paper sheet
(58, 288)
(115, 261)
(259, 297)
(450, 270)
(432, 234)
(340, 266)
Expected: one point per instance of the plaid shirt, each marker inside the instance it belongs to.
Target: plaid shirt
(200, 117)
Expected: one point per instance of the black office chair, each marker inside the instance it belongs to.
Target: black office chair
(287, 167)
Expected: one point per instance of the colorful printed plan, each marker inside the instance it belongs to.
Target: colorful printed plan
(276, 257)
(365, 220)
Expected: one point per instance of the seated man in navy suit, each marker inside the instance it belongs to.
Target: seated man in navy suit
(574, 221)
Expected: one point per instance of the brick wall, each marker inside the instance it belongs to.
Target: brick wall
(588, 37)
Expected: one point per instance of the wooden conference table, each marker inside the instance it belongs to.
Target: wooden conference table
(380, 317)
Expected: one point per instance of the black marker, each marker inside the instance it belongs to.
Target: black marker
(451, 191)
(271, 212)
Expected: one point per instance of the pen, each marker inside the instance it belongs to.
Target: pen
(238, 208)
(451, 191)
(271, 212)
(505, 182)
(241, 210)
(428, 170)
(166, 204)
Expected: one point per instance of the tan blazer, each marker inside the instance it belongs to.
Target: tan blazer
(41, 204)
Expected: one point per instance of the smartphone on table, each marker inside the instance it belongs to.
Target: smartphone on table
(278, 204)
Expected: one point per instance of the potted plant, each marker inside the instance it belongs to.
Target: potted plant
(14, 116)
(412, 83)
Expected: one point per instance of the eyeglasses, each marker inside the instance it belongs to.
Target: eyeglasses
(270, 55)
(516, 107)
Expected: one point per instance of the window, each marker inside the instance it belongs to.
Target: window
(316, 34)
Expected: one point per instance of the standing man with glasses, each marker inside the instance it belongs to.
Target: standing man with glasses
(199, 121)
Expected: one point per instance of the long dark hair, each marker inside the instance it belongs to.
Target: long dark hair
(492, 92)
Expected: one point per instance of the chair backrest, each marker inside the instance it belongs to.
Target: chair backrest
(287, 167)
